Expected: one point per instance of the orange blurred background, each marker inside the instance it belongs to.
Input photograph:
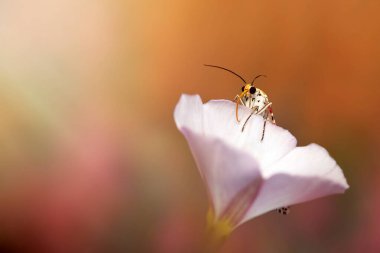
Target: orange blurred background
(90, 158)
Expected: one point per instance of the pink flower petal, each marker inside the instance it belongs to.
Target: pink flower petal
(189, 113)
(225, 169)
(304, 174)
(245, 176)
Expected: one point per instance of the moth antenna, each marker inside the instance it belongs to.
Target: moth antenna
(226, 70)
(257, 77)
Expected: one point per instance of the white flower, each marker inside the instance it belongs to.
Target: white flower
(246, 177)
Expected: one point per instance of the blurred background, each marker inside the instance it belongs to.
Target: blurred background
(91, 160)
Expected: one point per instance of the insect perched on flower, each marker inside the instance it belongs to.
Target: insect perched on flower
(253, 98)
(246, 177)
(258, 101)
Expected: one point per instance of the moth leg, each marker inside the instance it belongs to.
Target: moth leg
(258, 112)
(242, 129)
(265, 123)
(238, 97)
(250, 115)
(264, 108)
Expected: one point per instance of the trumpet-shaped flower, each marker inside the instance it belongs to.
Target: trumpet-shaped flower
(246, 177)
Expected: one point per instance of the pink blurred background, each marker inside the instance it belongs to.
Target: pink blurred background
(90, 158)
